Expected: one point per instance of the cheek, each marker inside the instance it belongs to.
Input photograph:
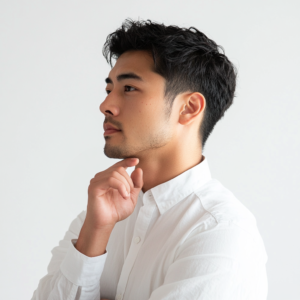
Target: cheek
(151, 105)
(142, 108)
(146, 113)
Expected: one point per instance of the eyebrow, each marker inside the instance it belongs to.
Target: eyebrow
(123, 76)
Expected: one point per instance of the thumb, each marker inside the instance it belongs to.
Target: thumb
(137, 179)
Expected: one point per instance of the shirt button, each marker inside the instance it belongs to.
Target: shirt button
(119, 297)
(137, 239)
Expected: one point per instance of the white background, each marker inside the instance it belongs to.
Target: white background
(52, 83)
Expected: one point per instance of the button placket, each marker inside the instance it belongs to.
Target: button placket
(119, 297)
(141, 225)
(137, 239)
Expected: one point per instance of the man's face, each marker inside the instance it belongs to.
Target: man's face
(137, 107)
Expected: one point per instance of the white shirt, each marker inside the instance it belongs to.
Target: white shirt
(188, 238)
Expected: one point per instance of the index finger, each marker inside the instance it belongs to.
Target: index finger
(127, 163)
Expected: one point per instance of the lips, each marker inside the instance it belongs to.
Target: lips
(108, 126)
(110, 129)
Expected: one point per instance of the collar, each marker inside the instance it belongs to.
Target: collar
(169, 193)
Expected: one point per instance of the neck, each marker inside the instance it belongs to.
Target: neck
(158, 169)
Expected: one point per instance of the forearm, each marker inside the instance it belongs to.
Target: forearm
(92, 242)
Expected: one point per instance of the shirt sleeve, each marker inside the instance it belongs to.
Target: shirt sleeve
(223, 263)
(71, 275)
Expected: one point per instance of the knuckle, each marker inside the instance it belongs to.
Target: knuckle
(119, 169)
(114, 173)
(97, 174)
(110, 180)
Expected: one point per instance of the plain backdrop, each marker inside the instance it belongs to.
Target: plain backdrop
(52, 83)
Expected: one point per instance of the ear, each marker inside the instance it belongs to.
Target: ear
(194, 105)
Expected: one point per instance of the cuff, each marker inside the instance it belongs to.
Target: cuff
(80, 269)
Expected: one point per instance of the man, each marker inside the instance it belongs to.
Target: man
(167, 231)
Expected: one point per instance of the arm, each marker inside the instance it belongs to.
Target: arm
(76, 266)
(112, 198)
(65, 278)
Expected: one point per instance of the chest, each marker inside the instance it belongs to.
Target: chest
(140, 251)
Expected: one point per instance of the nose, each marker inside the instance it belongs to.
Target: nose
(109, 106)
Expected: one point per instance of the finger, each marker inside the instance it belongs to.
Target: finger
(118, 185)
(102, 182)
(137, 178)
(126, 163)
(120, 177)
(123, 172)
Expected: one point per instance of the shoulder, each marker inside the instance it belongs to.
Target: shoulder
(226, 223)
(230, 217)
(220, 203)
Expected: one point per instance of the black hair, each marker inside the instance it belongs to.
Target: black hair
(186, 58)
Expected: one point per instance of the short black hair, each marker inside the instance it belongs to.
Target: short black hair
(186, 58)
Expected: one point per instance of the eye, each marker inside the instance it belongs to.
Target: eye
(129, 87)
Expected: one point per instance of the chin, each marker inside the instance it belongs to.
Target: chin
(114, 152)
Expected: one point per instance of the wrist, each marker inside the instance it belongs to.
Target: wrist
(91, 241)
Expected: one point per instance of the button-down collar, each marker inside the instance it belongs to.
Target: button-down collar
(169, 193)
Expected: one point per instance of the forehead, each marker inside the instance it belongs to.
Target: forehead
(137, 61)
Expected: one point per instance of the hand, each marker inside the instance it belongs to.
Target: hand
(108, 201)
(108, 204)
